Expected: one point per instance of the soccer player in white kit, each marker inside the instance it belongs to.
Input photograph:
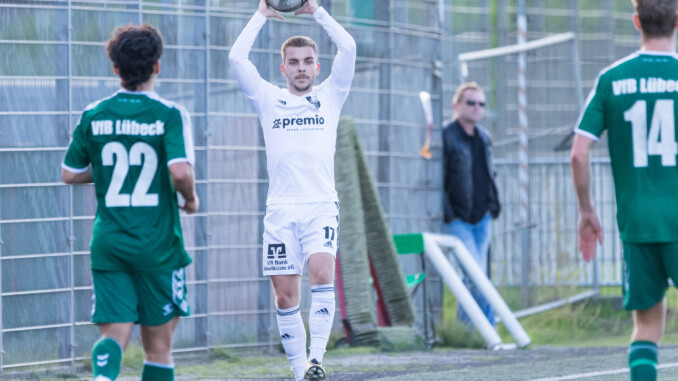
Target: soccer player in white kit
(302, 211)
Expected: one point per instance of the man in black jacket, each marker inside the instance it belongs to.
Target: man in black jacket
(471, 199)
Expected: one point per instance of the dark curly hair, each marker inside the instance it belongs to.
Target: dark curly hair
(134, 51)
(657, 17)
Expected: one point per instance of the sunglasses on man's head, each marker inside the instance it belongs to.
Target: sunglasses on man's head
(473, 103)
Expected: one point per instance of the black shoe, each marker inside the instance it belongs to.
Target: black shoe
(314, 371)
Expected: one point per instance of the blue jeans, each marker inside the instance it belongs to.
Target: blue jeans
(476, 238)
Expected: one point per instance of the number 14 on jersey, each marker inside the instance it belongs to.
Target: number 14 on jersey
(662, 135)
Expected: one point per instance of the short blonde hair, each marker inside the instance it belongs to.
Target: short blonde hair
(458, 94)
(298, 42)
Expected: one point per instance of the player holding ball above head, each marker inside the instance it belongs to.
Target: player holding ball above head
(302, 212)
(636, 101)
(286, 5)
(140, 149)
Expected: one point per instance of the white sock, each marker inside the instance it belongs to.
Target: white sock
(293, 337)
(320, 319)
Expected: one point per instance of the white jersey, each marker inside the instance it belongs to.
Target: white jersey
(300, 132)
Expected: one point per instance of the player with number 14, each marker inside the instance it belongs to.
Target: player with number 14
(635, 100)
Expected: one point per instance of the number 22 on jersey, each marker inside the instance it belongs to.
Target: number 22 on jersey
(140, 195)
(662, 139)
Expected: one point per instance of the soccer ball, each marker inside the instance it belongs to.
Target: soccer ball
(286, 5)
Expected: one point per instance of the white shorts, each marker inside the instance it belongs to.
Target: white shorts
(292, 232)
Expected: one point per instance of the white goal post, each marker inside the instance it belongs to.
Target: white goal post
(556, 39)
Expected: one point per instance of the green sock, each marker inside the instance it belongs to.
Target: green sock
(106, 357)
(643, 361)
(157, 372)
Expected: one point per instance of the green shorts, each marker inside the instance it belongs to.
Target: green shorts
(647, 268)
(150, 299)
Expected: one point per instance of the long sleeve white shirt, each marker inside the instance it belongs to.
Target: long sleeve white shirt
(300, 132)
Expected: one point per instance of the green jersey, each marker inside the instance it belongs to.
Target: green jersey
(130, 139)
(636, 101)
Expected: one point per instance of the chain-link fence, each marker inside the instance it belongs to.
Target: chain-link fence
(53, 64)
(604, 33)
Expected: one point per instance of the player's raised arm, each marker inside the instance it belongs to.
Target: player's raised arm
(245, 72)
(343, 67)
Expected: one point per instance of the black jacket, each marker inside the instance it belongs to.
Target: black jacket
(458, 177)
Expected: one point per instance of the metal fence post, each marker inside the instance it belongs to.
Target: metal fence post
(523, 156)
(2, 352)
(207, 177)
(71, 238)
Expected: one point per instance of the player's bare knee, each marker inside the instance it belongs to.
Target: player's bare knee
(286, 300)
(120, 332)
(321, 268)
(158, 351)
(159, 356)
(322, 276)
(649, 324)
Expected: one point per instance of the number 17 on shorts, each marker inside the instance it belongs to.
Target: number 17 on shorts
(293, 233)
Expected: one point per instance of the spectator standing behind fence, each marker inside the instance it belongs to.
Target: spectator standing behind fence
(471, 199)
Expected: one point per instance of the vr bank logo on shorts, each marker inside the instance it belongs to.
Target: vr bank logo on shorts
(291, 122)
(276, 258)
(276, 250)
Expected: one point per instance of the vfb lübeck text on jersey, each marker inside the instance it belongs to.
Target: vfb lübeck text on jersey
(127, 127)
(651, 85)
(291, 122)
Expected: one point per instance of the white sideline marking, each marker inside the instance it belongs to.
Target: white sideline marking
(601, 373)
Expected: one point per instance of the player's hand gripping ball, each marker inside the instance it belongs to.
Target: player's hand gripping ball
(286, 5)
